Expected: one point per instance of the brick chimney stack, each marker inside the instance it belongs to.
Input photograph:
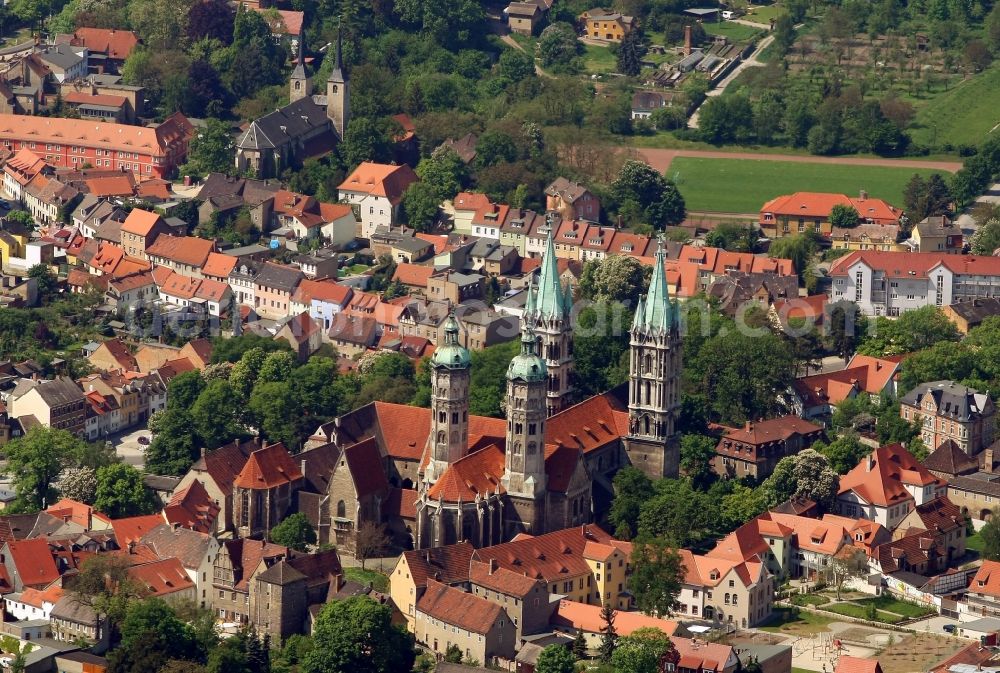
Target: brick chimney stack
(687, 40)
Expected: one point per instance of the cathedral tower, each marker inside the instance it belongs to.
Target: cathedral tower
(654, 375)
(524, 460)
(300, 84)
(449, 436)
(547, 312)
(338, 93)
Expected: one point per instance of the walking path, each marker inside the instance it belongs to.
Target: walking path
(752, 24)
(728, 79)
(660, 159)
(514, 43)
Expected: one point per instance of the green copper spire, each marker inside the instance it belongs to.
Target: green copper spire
(529, 302)
(655, 313)
(551, 301)
(527, 365)
(451, 354)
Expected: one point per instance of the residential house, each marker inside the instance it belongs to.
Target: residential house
(524, 17)
(525, 599)
(100, 107)
(947, 410)
(795, 213)
(413, 276)
(190, 507)
(194, 551)
(572, 617)
(219, 266)
(881, 237)
(65, 62)
(936, 233)
(19, 170)
(572, 201)
(454, 287)
(815, 396)
(968, 315)
(983, 595)
(303, 333)
(29, 564)
(480, 629)
(185, 255)
(645, 103)
(140, 230)
(154, 356)
(73, 621)
(56, 403)
(128, 292)
(887, 485)
(942, 519)
(145, 151)
(47, 199)
(726, 591)
(918, 552)
(166, 579)
(241, 280)
(112, 354)
(376, 190)
(234, 566)
(107, 49)
(408, 580)
(32, 603)
(755, 449)
(465, 206)
(607, 26)
(273, 287)
(322, 263)
(323, 299)
(464, 147)
(891, 283)
(211, 296)
(352, 334)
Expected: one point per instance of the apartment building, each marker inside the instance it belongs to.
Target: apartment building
(950, 411)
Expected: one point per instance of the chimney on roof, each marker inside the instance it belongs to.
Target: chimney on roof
(870, 461)
(749, 426)
(863, 195)
(988, 461)
(687, 40)
(493, 565)
(131, 547)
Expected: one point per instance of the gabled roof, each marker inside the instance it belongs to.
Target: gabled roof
(458, 608)
(219, 265)
(186, 545)
(818, 204)
(189, 250)
(226, 462)
(116, 43)
(770, 430)
(323, 290)
(987, 579)
(951, 399)
(587, 618)
(949, 458)
(448, 564)
(365, 466)
(32, 559)
(846, 664)
(192, 507)
(140, 222)
(880, 476)
(940, 515)
(414, 275)
(476, 474)
(119, 137)
(246, 554)
(380, 180)
(162, 578)
(268, 468)
(916, 264)
(278, 277)
(550, 557)
(503, 580)
(131, 529)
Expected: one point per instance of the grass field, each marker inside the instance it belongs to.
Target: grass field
(736, 32)
(764, 13)
(744, 185)
(909, 610)
(975, 542)
(857, 611)
(963, 115)
(786, 621)
(598, 59)
(377, 579)
(809, 599)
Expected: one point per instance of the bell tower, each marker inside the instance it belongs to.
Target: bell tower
(300, 83)
(449, 436)
(654, 376)
(338, 94)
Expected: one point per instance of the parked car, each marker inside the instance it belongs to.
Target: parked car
(949, 628)
(729, 14)
(4, 204)
(143, 439)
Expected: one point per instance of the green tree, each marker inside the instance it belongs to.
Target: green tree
(453, 654)
(618, 278)
(367, 139)
(559, 48)
(154, 615)
(799, 248)
(990, 534)
(35, 461)
(276, 367)
(276, 412)
(515, 65)
(844, 217)
(488, 384)
(231, 349)
(174, 446)
(844, 452)
(421, 206)
(845, 327)
(806, 475)
(632, 489)
(184, 389)
(211, 150)
(601, 347)
(657, 199)
(609, 634)
(46, 280)
(740, 505)
(121, 492)
(579, 648)
(697, 453)
(986, 239)
(641, 651)
(79, 483)
(215, 414)
(555, 659)
(357, 636)
(630, 53)
(912, 331)
(294, 532)
(725, 119)
(678, 512)
(656, 577)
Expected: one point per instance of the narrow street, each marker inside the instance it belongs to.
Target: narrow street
(728, 79)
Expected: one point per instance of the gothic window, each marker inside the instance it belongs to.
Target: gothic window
(442, 437)
(649, 399)
(341, 510)
(517, 448)
(258, 515)
(454, 417)
(531, 428)
(531, 448)
(335, 88)
(518, 428)
(245, 508)
(647, 366)
(442, 417)
(645, 422)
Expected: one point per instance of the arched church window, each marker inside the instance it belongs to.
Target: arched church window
(531, 448)
(298, 85)
(517, 448)
(645, 421)
(442, 437)
(341, 510)
(335, 87)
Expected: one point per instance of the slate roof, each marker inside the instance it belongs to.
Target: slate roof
(977, 310)
(278, 277)
(281, 574)
(59, 391)
(950, 459)
(285, 124)
(951, 399)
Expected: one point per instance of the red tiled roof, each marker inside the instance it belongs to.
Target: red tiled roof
(588, 425)
(587, 618)
(987, 579)
(880, 476)
(502, 580)
(475, 474)
(77, 512)
(473, 201)
(162, 578)
(192, 507)
(458, 608)
(153, 187)
(189, 250)
(121, 354)
(322, 290)
(267, 468)
(366, 469)
(439, 241)
(226, 462)
(123, 137)
(218, 265)
(380, 180)
(551, 556)
(32, 560)
(132, 529)
(402, 502)
(246, 554)
(917, 264)
(117, 44)
(448, 564)
(287, 23)
(819, 204)
(414, 275)
(112, 185)
(770, 430)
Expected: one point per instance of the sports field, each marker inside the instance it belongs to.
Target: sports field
(962, 116)
(744, 185)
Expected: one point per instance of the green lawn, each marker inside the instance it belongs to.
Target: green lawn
(809, 599)
(785, 620)
(764, 13)
(908, 610)
(975, 542)
(854, 610)
(599, 59)
(736, 32)
(744, 185)
(377, 579)
(963, 115)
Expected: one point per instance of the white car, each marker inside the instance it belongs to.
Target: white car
(728, 14)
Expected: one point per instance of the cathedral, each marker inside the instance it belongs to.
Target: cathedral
(536, 481)
(309, 126)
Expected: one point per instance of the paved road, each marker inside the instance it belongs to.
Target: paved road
(752, 24)
(965, 220)
(660, 159)
(728, 79)
(129, 449)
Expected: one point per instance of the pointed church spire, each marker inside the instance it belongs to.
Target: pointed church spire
(300, 62)
(337, 74)
(657, 310)
(529, 302)
(551, 299)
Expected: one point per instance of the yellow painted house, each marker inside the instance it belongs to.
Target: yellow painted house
(11, 245)
(604, 24)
